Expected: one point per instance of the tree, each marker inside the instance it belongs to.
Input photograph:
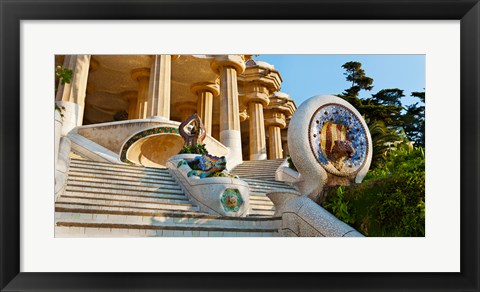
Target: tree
(356, 75)
(414, 120)
(385, 106)
(389, 97)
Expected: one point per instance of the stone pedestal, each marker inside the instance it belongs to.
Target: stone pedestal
(159, 88)
(71, 95)
(142, 76)
(228, 67)
(205, 92)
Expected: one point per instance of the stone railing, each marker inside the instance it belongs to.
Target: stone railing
(302, 217)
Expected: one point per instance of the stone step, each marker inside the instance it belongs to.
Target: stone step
(265, 189)
(262, 182)
(104, 223)
(80, 193)
(269, 183)
(257, 168)
(119, 174)
(75, 230)
(260, 172)
(127, 199)
(262, 207)
(269, 161)
(116, 165)
(260, 198)
(69, 208)
(257, 212)
(120, 191)
(169, 220)
(119, 178)
(120, 169)
(254, 175)
(126, 208)
(99, 183)
(124, 204)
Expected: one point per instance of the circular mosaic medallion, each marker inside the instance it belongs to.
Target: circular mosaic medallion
(338, 139)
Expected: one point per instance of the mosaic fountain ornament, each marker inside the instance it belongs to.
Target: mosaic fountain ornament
(329, 143)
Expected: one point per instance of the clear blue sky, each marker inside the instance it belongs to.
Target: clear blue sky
(307, 75)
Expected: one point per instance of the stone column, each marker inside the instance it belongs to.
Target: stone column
(275, 123)
(131, 97)
(159, 89)
(258, 148)
(228, 66)
(142, 76)
(71, 95)
(205, 92)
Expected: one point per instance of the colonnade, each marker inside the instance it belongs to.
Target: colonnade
(259, 91)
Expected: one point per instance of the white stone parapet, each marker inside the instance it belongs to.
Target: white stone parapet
(62, 166)
(302, 217)
(207, 192)
(92, 150)
(286, 174)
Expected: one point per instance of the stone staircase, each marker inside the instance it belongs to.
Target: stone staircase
(260, 204)
(116, 200)
(258, 169)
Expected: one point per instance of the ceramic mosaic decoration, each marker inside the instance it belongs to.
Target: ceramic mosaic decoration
(338, 139)
(141, 135)
(329, 144)
(231, 200)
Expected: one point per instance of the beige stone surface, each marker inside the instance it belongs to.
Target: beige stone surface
(142, 76)
(154, 151)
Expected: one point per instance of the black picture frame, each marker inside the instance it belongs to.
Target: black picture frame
(13, 11)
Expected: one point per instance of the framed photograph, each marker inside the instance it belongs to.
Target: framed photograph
(242, 146)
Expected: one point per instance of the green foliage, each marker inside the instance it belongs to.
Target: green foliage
(383, 140)
(290, 164)
(196, 149)
(390, 201)
(339, 207)
(64, 74)
(60, 110)
(390, 96)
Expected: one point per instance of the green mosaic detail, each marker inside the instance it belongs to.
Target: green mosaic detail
(182, 162)
(231, 200)
(143, 134)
